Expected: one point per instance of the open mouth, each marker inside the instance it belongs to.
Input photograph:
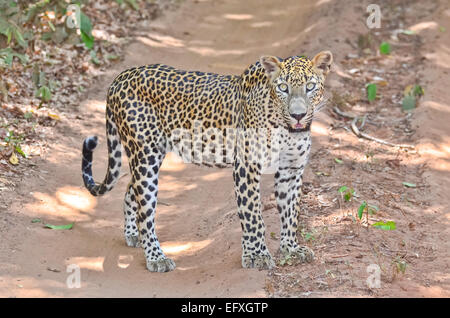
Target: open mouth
(298, 127)
(295, 124)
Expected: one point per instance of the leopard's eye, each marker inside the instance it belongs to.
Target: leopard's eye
(310, 86)
(283, 87)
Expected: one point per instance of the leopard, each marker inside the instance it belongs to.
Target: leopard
(257, 121)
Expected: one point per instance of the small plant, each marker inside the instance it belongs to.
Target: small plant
(14, 142)
(368, 208)
(411, 94)
(42, 85)
(385, 48)
(307, 236)
(371, 209)
(400, 265)
(346, 193)
(371, 92)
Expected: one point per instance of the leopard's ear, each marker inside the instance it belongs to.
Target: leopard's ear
(271, 65)
(322, 62)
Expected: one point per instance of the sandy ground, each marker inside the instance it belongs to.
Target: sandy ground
(196, 218)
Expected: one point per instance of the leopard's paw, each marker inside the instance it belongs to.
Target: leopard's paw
(297, 255)
(132, 240)
(161, 266)
(262, 261)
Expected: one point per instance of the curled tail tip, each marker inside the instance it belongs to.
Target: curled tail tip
(90, 143)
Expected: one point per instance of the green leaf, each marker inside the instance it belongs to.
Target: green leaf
(408, 32)
(133, 4)
(361, 209)
(8, 54)
(348, 196)
(409, 185)
(371, 92)
(401, 266)
(388, 226)
(86, 31)
(37, 220)
(44, 93)
(9, 33)
(42, 79)
(418, 90)
(22, 57)
(309, 236)
(342, 189)
(20, 151)
(409, 102)
(8, 59)
(85, 24)
(385, 48)
(112, 57)
(59, 227)
(338, 160)
(87, 40)
(19, 38)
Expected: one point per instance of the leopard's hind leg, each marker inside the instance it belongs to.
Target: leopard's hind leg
(145, 189)
(130, 208)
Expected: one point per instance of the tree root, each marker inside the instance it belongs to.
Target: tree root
(359, 134)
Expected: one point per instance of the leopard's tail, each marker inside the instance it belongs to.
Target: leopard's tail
(114, 159)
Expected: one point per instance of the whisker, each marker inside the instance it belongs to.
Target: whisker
(321, 105)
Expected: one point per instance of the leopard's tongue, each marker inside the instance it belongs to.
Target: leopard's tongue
(298, 126)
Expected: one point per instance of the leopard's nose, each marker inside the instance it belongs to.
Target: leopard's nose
(298, 117)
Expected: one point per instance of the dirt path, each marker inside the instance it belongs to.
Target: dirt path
(196, 218)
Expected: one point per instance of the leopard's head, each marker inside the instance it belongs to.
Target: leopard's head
(297, 85)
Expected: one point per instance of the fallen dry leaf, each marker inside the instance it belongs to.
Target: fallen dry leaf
(54, 116)
(13, 159)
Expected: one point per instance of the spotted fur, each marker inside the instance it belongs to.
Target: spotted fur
(244, 121)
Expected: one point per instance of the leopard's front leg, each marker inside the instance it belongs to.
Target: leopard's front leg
(255, 253)
(288, 183)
